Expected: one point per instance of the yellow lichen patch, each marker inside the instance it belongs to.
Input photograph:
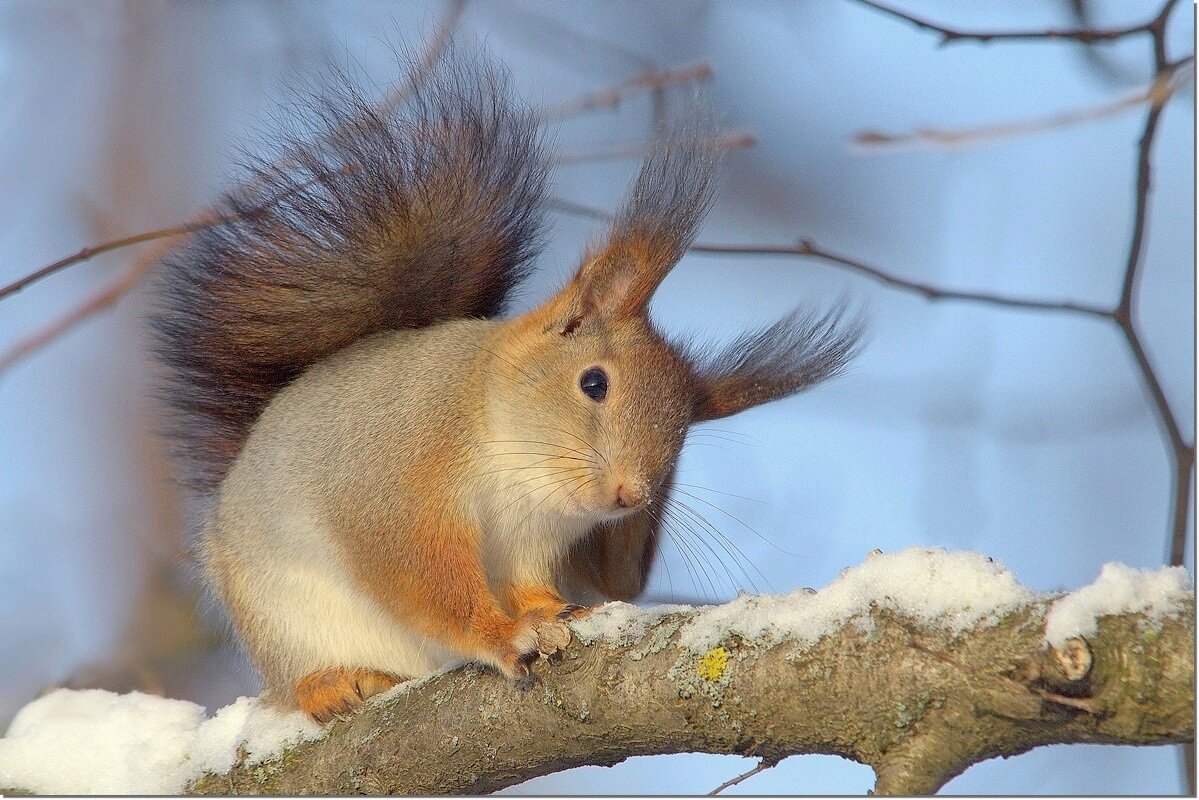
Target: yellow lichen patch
(712, 666)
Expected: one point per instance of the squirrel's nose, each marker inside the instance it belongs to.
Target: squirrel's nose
(629, 496)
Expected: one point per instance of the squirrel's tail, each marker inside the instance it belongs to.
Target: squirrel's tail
(377, 220)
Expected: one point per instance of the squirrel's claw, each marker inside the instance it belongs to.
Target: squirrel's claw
(573, 611)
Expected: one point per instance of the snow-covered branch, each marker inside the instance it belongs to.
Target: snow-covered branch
(918, 663)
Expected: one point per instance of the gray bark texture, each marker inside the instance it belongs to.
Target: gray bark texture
(912, 700)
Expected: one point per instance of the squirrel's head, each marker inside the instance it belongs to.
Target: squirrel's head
(596, 403)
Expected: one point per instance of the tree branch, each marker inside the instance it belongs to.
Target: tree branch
(806, 248)
(91, 252)
(762, 766)
(97, 302)
(1083, 35)
(911, 698)
(618, 151)
(649, 81)
(1155, 95)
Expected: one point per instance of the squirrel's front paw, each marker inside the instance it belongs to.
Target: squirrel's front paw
(541, 632)
(552, 636)
(549, 626)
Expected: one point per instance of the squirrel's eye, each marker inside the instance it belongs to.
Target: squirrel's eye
(594, 384)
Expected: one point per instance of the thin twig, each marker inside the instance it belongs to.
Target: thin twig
(1156, 94)
(616, 151)
(91, 252)
(808, 248)
(81, 312)
(1181, 452)
(762, 766)
(649, 80)
(1158, 28)
(950, 35)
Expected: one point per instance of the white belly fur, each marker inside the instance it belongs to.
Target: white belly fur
(307, 614)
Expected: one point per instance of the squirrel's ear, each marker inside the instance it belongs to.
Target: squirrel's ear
(653, 228)
(798, 351)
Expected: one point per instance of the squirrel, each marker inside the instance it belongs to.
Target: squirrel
(397, 475)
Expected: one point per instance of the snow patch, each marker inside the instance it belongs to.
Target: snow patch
(955, 590)
(99, 742)
(623, 623)
(1118, 590)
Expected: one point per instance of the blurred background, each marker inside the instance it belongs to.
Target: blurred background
(1028, 436)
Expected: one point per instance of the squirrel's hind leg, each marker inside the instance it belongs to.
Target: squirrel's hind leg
(338, 691)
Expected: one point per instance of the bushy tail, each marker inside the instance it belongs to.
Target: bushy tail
(373, 221)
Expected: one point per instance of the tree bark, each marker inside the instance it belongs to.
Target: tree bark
(914, 701)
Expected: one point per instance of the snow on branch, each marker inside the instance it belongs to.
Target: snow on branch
(918, 663)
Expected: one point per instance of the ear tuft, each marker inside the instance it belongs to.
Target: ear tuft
(795, 353)
(656, 223)
(671, 196)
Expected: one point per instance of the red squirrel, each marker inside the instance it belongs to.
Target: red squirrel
(397, 475)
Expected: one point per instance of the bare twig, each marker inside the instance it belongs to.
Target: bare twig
(762, 766)
(950, 35)
(1182, 452)
(808, 248)
(1156, 94)
(92, 305)
(1106, 68)
(613, 96)
(91, 252)
(616, 151)
(1158, 28)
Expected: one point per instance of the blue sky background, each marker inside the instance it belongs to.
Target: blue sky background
(1026, 436)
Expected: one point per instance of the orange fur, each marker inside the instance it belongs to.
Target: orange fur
(337, 691)
(438, 586)
(522, 598)
(526, 600)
